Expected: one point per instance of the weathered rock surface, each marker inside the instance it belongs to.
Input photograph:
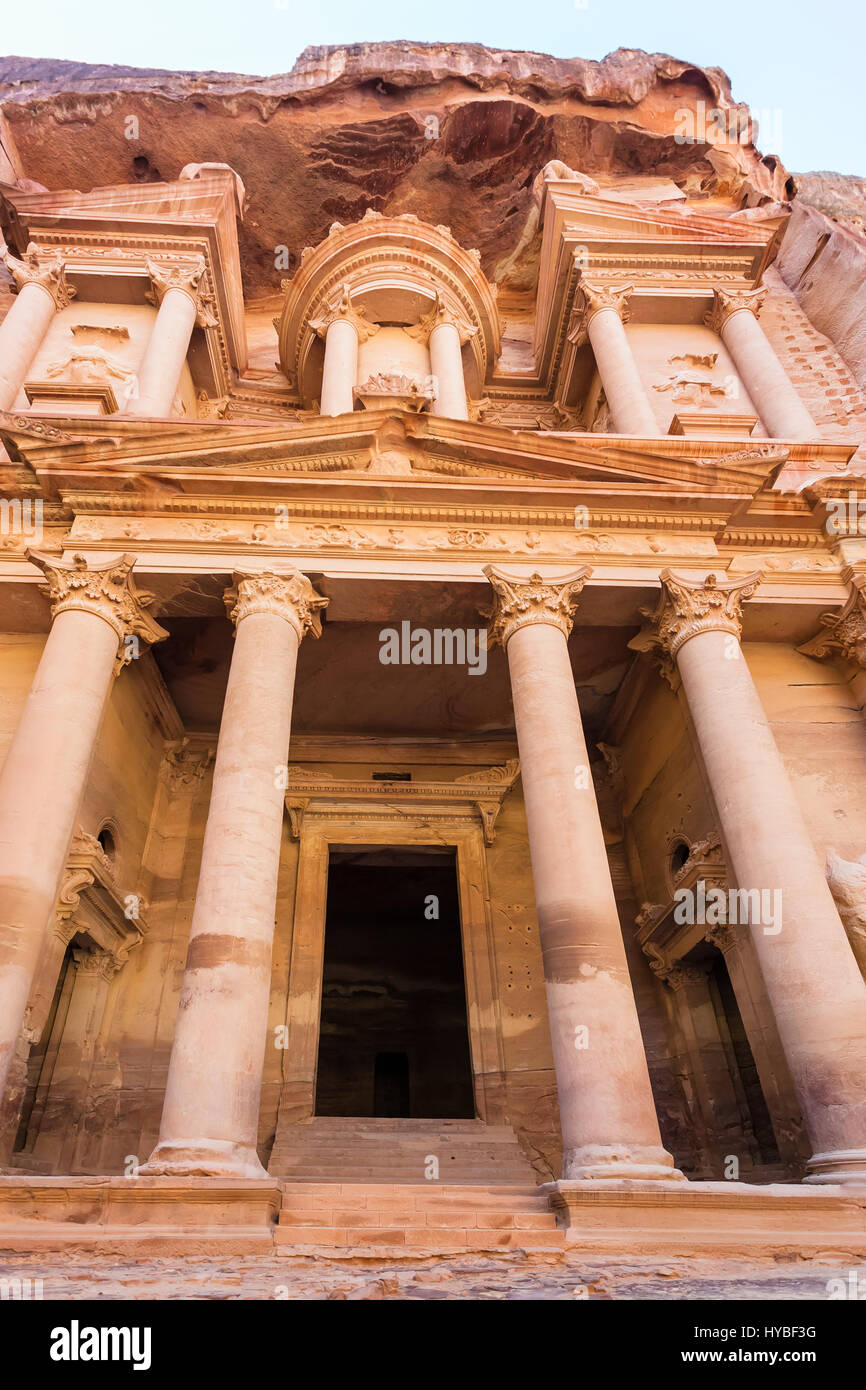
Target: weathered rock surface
(454, 133)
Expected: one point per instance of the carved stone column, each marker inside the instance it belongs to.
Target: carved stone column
(183, 302)
(42, 290)
(609, 1124)
(210, 1116)
(599, 314)
(445, 332)
(343, 329)
(734, 316)
(96, 610)
(815, 989)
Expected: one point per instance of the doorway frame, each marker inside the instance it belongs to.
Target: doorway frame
(395, 829)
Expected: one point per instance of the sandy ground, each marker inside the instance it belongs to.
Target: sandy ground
(512, 1276)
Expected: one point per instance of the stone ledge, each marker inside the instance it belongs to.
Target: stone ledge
(116, 1215)
(710, 1218)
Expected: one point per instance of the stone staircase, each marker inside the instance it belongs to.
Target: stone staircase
(414, 1218)
(326, 1149)
(356, 1186)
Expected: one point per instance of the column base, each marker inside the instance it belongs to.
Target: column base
(603, 1162)
(841, 1166)
(202, 1158)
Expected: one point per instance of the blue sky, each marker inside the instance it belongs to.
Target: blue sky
(799, 63)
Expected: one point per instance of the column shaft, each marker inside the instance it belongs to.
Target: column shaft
(21, 335)
(782, 413)
(164, 357)
(630, 410)
(210, 1116)
(446, 365)
(609, 1124)
(340, 374)
(815, 988)
(46, 768)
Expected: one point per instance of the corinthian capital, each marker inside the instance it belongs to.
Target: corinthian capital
(441, 314)
(727, 302)
(520, 602)
(590, 300)
(688, 607)
(43, 268)
(290, 596)
(344, 311)
(843, 633)
(107, 590)
(187, 276)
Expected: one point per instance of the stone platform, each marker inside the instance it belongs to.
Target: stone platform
(203, 1216)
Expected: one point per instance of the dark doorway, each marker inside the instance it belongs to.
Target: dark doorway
(741, 1061)
(393, 1040)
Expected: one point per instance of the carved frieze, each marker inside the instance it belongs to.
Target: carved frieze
(476, 795)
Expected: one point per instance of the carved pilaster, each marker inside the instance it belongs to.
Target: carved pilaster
(290, 596)
(727, 302)
(441, 314)
(843, 633)
(590, 300)
(688, 607)
(187, 276)
(107, 590)
(343, 311)
(43, 268)
(520, 602)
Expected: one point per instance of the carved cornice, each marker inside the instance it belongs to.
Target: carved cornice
(91, 903)
(688, 607)
(184, 763)
(676, 974)
(659, 934)
(289, 595)
(188, 277)
(45, 269)
(591, 300)
(843, 633)
(520, 602)
(442, 314)
(319, 796)
(343, 311)
(107, 590)
(728, 302)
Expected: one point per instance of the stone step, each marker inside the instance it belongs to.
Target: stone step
(356, 1238)
(409, 1196)
(456, 1216)
(362, 1149)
